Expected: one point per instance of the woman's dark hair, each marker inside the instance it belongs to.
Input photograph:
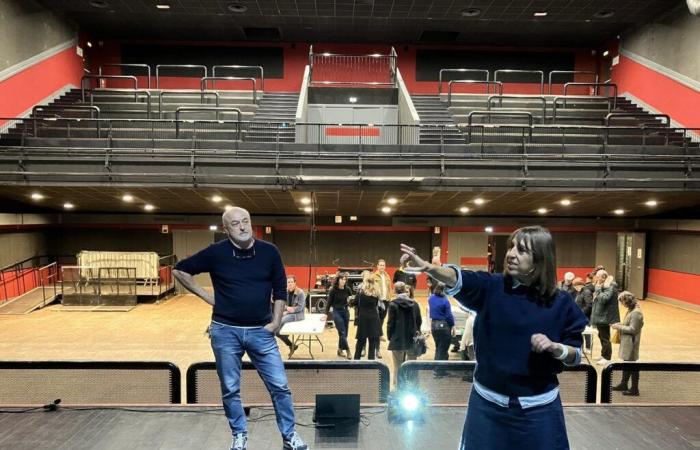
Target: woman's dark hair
(539, 242)
(336, 282)
(439, 289)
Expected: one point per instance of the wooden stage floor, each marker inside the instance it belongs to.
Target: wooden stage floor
(589, 428)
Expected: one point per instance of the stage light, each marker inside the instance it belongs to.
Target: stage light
(410, 403)
(407, 405)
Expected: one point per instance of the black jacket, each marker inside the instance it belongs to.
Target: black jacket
(368, 324)
(404, 319)
(584, 299)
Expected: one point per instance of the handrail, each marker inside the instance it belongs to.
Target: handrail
(262, 72)
(148, 69)
(106, 77)
(570, 72)
(643, 115)
(203, 83)
(178, 66)
(541, 74)
(90, 108)
(204, 109)
(172, 94)
(577, 97)
(461, 71)
(523, 97)
(500, 113)
(136, 93)
(612, 85)
(498, 85)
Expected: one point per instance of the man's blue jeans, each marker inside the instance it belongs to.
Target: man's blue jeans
(229, 343)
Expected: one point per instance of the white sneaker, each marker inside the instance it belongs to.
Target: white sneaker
(294, 442)
(240, 442)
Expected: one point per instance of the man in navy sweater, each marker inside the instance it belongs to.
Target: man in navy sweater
(246, 273)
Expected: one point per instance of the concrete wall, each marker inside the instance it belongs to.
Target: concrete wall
(27, 29)
(15, 247)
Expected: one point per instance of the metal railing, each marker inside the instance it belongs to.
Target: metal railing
(484, 71)
(21, 277)
(534, 72)
(570, 72)
(205, 80)
(500, 99)
(216, 110)
(105, 77)
(163, 94)
(607, 86)
(136, 92)
(236, 67)
(91, 108)
(622, 115)
(178, 66)
(360, 70)
(659, 383)
(498, 87)
(580, 99)
(146, 66)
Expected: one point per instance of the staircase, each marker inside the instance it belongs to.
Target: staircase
(275, 108)
(432, 111)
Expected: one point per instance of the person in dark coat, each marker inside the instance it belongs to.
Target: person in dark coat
(604, 312)
(583, 296)
(368, 323)
(338, 303)
(407, 278)
(404, 320)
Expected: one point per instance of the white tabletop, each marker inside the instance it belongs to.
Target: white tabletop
(312, 324)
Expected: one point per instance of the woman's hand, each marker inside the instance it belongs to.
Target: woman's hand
(415, 264)
(616, 326)
(541, 343)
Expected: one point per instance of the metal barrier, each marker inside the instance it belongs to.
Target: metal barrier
(204, 109)
(148, 69)
(89, 383)
(18, 279)
(620, 115)
(570, 72)
(658, 383)
(583, 98)
(136, 93)
(369, 379)
(203, 84)
(362, 70)
(518, 97)
(105, 77)
(177, 66)
(596, 85)
(489, 114)
(260, 68)
(537, 72)
(577, 384)
(498, 87)
(162, 94)
(460, 71)
(92, 109)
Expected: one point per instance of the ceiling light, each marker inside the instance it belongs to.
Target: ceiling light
(619, 212)
(98, 3)
(127, 198)
(68, 205)
(565, 202)
(37, 196)
(386, 209)
(353, 218)
(149, 207)
(308, 209)
(479, 201)
(540, 13)
(542, 211)
(237, 8)
(162, 6)
(464, 210)
(228, 207)
(651, 203)
(305, 201)
(488, 229)
(604, 14)
(392, 200)
(605, 53)
(471, 12)
(216, 198)
(213, 228)
(352, 99)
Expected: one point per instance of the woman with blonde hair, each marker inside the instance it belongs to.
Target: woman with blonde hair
(630, 336)
(368, 323)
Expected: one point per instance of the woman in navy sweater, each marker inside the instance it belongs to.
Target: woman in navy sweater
(442, 324)
(525, 331)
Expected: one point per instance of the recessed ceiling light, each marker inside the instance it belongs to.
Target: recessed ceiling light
(540, 14)
(353, 218)
(37, 196)
(464, 210)
(213, 228)
(392, 200)
(479, 201)
(386, 209)
(308, 209)
(98, 3)
(651, 203)
(565, 202)
(305, 201)
(68, 205)
(149, 207)
(228, 207)
(237, 8)
(619, 212)
(488, 229)
(542, 211)
(471, 12)
(216, 198)
(604, 14)
(127, 198)
(163, 6)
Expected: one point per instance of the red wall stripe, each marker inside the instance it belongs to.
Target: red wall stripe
(352, 131)
(659, 91)
(680, 286)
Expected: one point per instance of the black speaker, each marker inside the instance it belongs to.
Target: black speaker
(337, 409)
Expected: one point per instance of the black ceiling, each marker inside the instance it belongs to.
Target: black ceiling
(500, 22)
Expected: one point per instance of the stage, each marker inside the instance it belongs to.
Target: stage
(590, 427)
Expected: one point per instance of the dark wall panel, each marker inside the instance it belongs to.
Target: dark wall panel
(70, 241)
(575, 249)
(429, 63)
(348, 248)
(679, 252)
